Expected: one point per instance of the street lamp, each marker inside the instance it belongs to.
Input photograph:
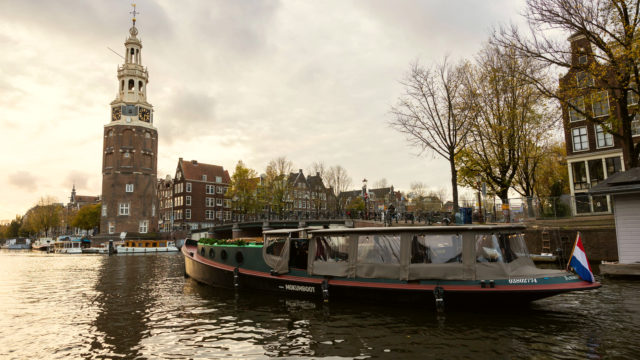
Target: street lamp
(365, 197)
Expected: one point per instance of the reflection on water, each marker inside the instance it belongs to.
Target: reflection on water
(67, 306)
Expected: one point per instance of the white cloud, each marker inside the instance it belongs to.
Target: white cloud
(229, 81)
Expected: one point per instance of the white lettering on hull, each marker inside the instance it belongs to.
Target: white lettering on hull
(523, 281)
(300, 288)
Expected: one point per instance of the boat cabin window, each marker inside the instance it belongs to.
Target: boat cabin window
(501, 248)
(436, 249)
(331, 248)
(299, 253)
(274, 245)
(379, 249)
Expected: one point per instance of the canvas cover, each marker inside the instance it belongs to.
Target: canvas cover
(405, 255)
(275, 253)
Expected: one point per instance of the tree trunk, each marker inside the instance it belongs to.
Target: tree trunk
(454, 184)
(504, 198)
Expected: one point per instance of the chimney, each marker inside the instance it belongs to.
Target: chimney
(194, 162)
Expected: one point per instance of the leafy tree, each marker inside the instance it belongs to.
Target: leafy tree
(507, 112)
(88, 217)
(356, 204)
(431, 113)
(612, 27)
(277, 188)
(243, 189)
(43, 217)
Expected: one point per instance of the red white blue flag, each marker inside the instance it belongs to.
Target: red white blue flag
(579, 262)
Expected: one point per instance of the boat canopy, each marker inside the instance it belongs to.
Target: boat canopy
(479, 252)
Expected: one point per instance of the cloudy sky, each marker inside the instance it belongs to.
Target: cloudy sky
(229, 80)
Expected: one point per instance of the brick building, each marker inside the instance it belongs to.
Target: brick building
(165, 204)
(130, 148)
(592, 154)
(199, 195)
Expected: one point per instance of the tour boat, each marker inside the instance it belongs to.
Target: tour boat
(68, 245)
(146, 246)
(468, 265)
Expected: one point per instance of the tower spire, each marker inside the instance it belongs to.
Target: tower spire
(134, 13)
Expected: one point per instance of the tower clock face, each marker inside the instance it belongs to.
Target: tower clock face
(115, 114)
(145, 114)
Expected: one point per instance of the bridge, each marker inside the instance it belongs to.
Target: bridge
(255, 228)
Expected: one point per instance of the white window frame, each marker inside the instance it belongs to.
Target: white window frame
(187, 214)
(219, 215)
(188, 187)
(573, 114)
(220, 190)
(153, 209)
(143, 226)
(128, 188)
(187, 201)
(204, 177)
(112, 227)
(218, 179)
(632, 96)
(209, 202)
(580, 59)
(104, 210)
(593, 103)
(227, 203)
(581, 136)
(124, 209)
(604, 136)
(210, 189)
(635, 125)
(218, 202)
(209, 214)
(588, 80)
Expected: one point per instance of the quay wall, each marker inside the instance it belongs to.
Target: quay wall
(599, 243)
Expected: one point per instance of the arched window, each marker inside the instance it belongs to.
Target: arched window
(132, 84)
(139, 85)
(110, 138)
(122, 85)
(127, 138)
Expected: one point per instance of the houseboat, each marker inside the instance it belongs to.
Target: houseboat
(146, 246)
(17, 244)
(43, 244)
(430, 265)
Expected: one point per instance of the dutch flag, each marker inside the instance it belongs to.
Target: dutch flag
(579, 261)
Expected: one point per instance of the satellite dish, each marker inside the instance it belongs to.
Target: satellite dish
(123, 235)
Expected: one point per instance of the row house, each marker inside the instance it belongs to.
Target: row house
(593, 154)
(308, 197)
(199, 198)
(165, 204)
(376, 200)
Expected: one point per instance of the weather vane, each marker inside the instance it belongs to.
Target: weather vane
(134, 13)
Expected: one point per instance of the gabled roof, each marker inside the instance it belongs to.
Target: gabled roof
(619, 183)
(86, 199)
(315, 180)
(193, 170)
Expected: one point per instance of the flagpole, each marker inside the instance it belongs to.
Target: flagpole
(574, 249)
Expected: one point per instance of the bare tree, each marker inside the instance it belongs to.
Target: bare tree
(431, 113)
(611, 29)
(339, 181)
(379, 184)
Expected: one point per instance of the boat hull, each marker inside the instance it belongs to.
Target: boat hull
(145, 250)
(454, 293)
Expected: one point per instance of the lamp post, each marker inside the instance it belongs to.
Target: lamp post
(365, 197)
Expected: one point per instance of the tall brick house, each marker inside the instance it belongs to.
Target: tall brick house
(130, 148)
(592, 154)
(200, 195)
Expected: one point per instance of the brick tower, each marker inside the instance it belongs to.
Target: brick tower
(130, 149)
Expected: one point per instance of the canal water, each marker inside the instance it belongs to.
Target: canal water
(142, 306)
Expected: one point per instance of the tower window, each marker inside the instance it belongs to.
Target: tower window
(132, 84)
(122, 85)
(129, 187)
(139, 85)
